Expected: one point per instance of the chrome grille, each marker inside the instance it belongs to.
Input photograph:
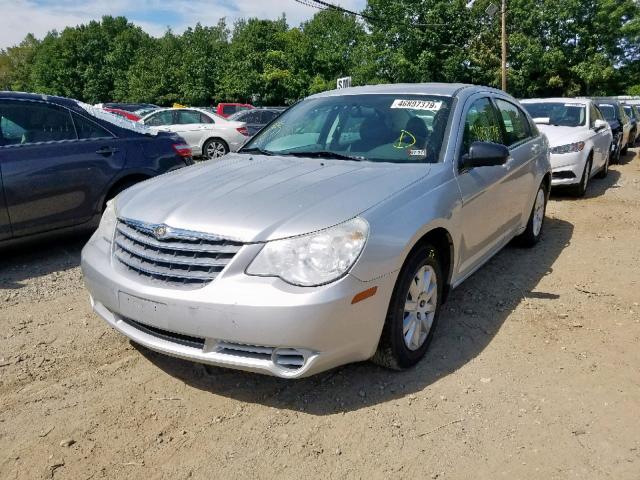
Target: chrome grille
(177, 257)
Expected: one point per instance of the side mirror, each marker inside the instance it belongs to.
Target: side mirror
(600, 125)
(485, 154)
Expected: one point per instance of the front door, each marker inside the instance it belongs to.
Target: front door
(486, 206)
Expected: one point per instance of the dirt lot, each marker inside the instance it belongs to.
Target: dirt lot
(534, 374)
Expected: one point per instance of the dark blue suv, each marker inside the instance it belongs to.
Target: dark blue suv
(62, 160)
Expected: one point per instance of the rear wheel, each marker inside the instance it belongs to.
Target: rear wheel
(215, 148)
(533, 232)
(413, 312)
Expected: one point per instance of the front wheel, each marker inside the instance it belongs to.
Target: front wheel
(215, 148)
(581, 189)
(413, 311)
(533, 232)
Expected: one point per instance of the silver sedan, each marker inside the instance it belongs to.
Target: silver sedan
(333, 236)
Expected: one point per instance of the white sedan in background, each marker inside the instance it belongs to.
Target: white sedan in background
(580, 140)
(208, 134)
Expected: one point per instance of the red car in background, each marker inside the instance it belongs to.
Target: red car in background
(226, 109)
(123, 113)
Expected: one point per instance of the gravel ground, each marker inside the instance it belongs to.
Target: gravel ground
(534, 373)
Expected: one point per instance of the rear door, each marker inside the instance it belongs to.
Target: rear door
(5, 225)
(51, 177)
(526, 146)
(191, 125)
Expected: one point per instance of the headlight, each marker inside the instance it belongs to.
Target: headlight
(315, 259)
(108, 221)
(570, 148)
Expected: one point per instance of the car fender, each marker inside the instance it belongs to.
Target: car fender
(399, 223)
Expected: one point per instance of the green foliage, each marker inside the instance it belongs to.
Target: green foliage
(569, 47)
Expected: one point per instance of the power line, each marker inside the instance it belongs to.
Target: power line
(323, 5)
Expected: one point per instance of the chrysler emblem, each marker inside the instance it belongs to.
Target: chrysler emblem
(160, 232)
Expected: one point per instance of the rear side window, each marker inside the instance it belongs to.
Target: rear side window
(515, 122)
(268, 115)
(160, 118)
(188, 117)
(481, 125)
(206, 118)
(33, 122)
(88, 129)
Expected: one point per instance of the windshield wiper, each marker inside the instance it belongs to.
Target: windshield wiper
(323, 154)
(256, 150)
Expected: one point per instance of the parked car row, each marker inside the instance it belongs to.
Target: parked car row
(332, 235)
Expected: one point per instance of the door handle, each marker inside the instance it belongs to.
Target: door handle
(535, 149)
(106, 151)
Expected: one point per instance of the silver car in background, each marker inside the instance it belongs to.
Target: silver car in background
(333, 236)
(208, 134)
(579, 137)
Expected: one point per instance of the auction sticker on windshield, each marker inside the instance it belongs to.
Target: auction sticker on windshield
(417, 104)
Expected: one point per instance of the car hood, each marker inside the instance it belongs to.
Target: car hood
(258, 198)
(558, 135)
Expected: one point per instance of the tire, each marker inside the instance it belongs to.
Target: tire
(214, 148)
(580, 189)
(604, 171)
(398, 349)
(535, 226)
(616, 157)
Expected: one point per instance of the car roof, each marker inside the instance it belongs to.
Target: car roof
(584, 101)
(443, 89)
(63, 101)
(198, 109)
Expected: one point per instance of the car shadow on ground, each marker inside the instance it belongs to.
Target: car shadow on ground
(35, 259)
(629, 156)
(596, 188)
(470, 319)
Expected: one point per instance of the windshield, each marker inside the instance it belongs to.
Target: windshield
(560, 114)
(378, 128)
(608, 112)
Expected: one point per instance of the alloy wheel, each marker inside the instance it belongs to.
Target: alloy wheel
(215, 150)
(420, 307)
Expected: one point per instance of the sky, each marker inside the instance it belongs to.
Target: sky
(20, 17)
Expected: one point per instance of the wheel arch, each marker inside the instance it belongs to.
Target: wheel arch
(442, 240)
(117, 183)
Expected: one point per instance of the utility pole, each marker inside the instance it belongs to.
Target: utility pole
(504, 45)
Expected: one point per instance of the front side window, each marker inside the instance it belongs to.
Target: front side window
(371, 127)
(481, 125)
(515, 122)
(559, 113)
(160, 119)
(32, 122)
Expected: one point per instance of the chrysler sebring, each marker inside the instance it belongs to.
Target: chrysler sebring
(333, 236)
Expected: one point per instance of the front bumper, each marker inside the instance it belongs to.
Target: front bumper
(249, 323)
(567, 168)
